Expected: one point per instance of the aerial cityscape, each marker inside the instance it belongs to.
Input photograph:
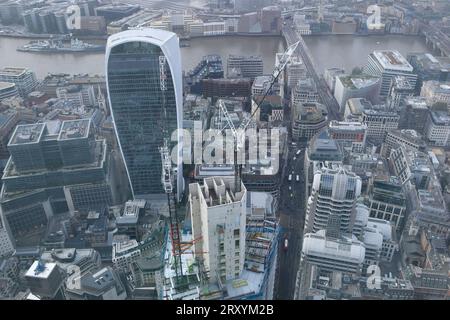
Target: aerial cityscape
(225, 150)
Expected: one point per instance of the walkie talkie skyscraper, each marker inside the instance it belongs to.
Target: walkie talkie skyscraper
(142, 111)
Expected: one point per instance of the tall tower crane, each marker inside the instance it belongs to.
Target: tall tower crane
(239, 133)
(167, 178)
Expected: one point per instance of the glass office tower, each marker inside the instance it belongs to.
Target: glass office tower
(143, 75)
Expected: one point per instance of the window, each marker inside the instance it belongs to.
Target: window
(236, 243)
(236, 232)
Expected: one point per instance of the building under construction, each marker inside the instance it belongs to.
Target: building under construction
(204, 267)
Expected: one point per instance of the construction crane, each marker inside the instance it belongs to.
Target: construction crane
(239, 133)
(167, 178)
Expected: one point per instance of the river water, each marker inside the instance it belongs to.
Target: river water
(328, 51)
(348, 51)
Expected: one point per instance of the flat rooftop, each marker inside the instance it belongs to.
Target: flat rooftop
(346, 126)
(28, 133)
(440, 118)
(6, 85)
(392, 60)
(359, 81)
(12, 71)
(217, 191)
(417, 102)
(74, 129)
(42, 271)
(402, 82)
(409, 135)
(125, 246)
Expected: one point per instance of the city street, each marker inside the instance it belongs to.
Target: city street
(292, 219)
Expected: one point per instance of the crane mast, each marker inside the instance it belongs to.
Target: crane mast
(167, 178)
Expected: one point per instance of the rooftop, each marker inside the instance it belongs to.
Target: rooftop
(131, 212)
(28, 133)
(323, 147)
(74, 129)
(40, 270)
(12, 71)
(156, 36)
(346, 248)
(6, 85)
(218, 191)
(409, 135)
(403, 83)
(348, 126)
(430, 62)
(124, 246)
(357, 105)
(261, 81)
(380, 110)
(359, 81)
(417, 102)
(440, 118)
(392, 60)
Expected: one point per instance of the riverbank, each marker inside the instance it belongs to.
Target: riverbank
(36, 36)
(347, 51)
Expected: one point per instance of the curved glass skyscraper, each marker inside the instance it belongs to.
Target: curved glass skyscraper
(143, 76)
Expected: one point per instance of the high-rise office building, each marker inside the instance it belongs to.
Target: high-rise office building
(308, 120)
(322, 150)
(46, 280)
(6, 246)
(428, 67)
(388, 64)
(379, 120)
(305, 91)
(79, 95)
(414, 113)
(247, 67)
(406, 137)
(144, 80)
(11, 12)
(53, 169)
(24, 79)
(437, 128)
(436, 92)
(8, 90)
(350, 135)
(361, 86)
(334, 191)
(387, 200)
(401, 89)
(218, 216)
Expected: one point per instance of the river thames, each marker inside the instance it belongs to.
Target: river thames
(328, 51)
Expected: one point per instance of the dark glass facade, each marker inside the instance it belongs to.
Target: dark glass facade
(137, 96)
